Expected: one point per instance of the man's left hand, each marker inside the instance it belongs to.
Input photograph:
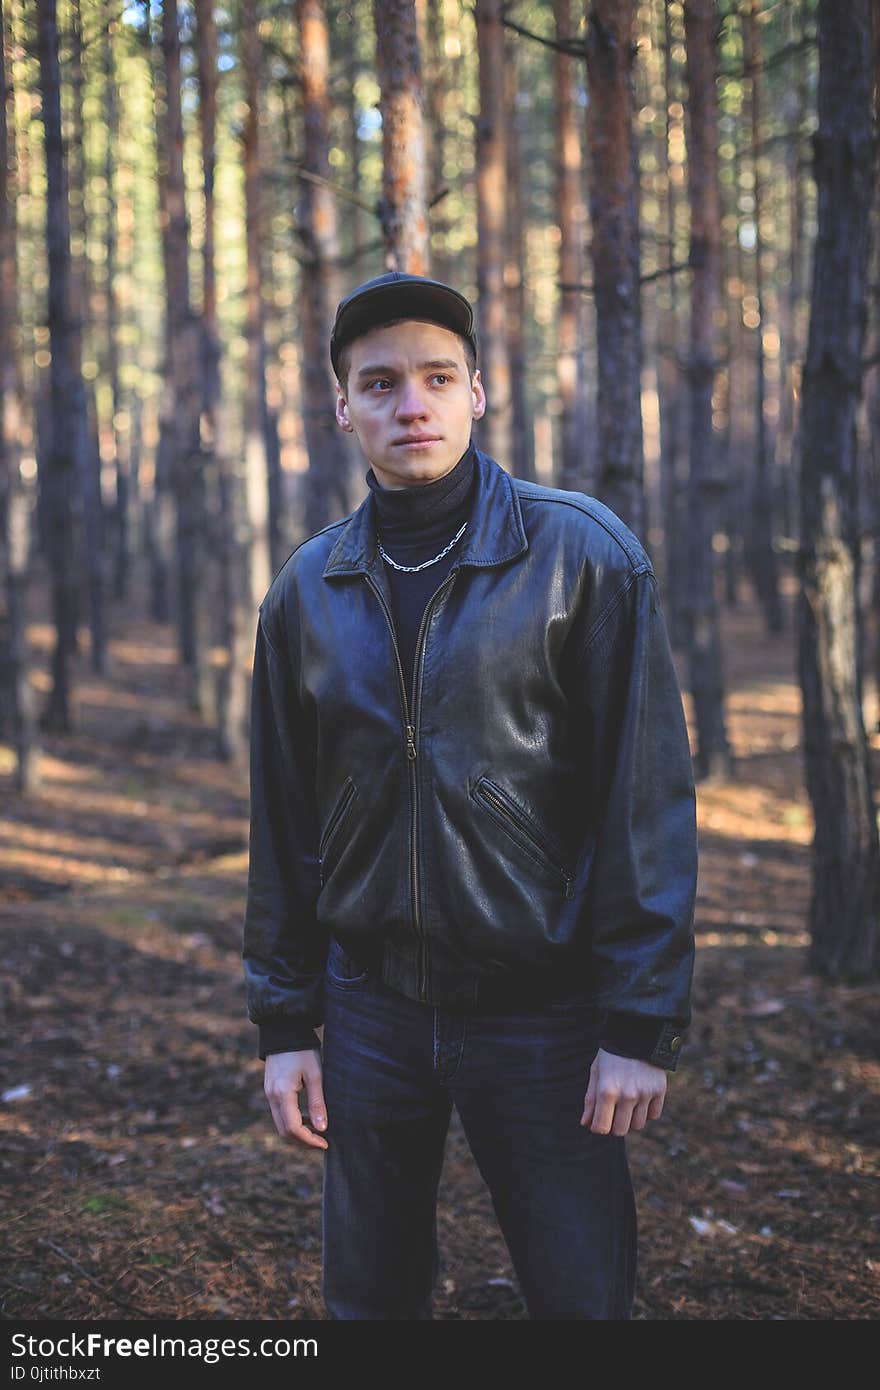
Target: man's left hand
(623, 1094)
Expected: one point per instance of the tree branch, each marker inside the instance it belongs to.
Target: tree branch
(782, 55)
(108, 1293)
(575, 48)
(334, 188)
(643, 279)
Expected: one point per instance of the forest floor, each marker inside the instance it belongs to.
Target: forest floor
(142, 1174)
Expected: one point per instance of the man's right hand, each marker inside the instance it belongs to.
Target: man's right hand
(286, 1074)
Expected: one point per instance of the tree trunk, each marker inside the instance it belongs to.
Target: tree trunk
(229, 577)
(185, 392)
(762, 529)
(522, 461)
(404, 205)
(262, 483)
(15, 512)
(614, 211)
(494, 431)
(92, 563)
(158, 515)
(707, 482)
(65, 381)
(845, 905)
(440, 99)
(571, 471)
(121, 533)
(739, 417)
(795, 109)
(327, 479)
(670, 396)
(359, 234)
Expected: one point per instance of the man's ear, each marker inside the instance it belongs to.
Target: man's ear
(342, 419)
(478, 395)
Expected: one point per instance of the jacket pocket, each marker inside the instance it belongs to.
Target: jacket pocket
(335, 822)
(521, 829)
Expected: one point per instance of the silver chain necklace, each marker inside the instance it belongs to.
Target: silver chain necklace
(411, 569)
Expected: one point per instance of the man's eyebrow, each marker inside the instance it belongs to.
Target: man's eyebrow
(381, 370)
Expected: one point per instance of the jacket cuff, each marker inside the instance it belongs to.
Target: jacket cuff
(657, 1041)
(285, 1034)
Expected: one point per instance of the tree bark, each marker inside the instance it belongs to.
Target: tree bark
(120, 541)
(229, 578)
(359, 233)
(707, 481)
(571, 471)
(92, 568)
(522, 461)
(614, 211)
(67, 398)
(158, 514)
(440, 100)
(262, 481)
(845, 903)
(184, 392)
(795, 112)
(327, 479)
(763, 559)
(15, 510)
(404, 204)
(494, 431)
(670, 396)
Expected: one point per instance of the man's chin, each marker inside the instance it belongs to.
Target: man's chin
(414, 471)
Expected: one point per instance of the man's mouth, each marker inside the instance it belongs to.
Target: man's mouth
(416, 441)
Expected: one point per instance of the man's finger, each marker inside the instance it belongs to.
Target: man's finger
(315, 1100)
(640, 1114)
(623, 1113)
(590, 1097)
(603, 1113)
(290, 1125)
(655, 1109)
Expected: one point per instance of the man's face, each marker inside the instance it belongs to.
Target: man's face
(410, 401)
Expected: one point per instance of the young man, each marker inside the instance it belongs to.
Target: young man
(473, 845)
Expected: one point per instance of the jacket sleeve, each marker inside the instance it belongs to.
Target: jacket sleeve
(284, 950)
(643, 867)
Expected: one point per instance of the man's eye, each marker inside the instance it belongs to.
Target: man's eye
(441, 376)
(381, 381)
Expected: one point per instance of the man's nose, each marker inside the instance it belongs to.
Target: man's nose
(411, 401)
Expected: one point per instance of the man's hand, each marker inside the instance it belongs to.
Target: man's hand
(623, 1094)
(285, 1076)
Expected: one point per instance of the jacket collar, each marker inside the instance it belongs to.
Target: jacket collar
(494, 535)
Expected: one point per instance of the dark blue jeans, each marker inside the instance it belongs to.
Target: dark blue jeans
(393, 1068)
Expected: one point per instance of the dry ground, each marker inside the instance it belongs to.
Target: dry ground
(141, 1171)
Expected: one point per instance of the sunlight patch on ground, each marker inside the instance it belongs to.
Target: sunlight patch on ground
(30, 839)
(742, 810)
(766, 936)
(58, 869)
(164, 710)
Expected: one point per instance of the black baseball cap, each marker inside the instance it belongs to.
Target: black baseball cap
(396, 295)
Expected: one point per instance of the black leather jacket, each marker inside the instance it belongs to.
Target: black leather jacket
(532, 814)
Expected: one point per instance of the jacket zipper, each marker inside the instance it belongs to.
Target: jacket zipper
(411, 723)
(346, 797)
(495, 798)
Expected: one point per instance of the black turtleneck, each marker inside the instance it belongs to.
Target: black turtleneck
(414, 524)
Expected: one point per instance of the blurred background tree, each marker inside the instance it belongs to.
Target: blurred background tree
(635, 197)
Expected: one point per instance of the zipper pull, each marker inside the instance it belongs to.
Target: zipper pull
(410, 742)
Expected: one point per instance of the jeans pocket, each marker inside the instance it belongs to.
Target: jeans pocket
(343, 970)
